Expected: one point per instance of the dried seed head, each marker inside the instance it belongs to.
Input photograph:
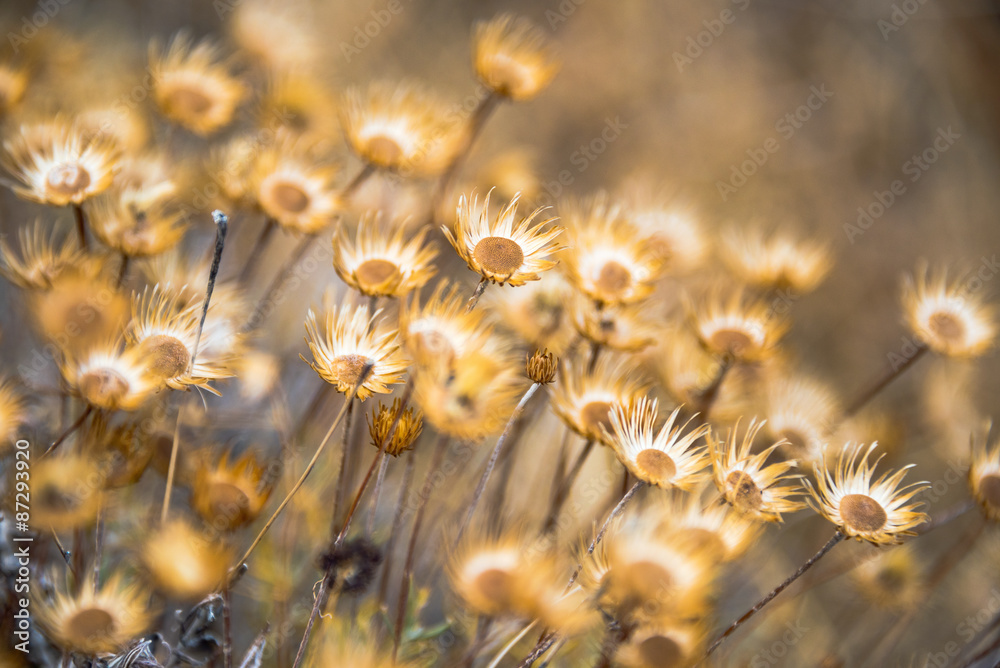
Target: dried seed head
(542, 366)
(411, 423)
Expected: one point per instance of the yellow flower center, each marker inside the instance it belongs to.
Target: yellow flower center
(103, 387)
(166, 357)
(989, 489)
(660, 651)
(947, 327)
(656, 466)
(68, 179)
(731, 340)
(595, 415)
(862, 513)
(746, 494)
(87, 624)
(499, 255)
(289, 197)
(377, 272)
(650, 576)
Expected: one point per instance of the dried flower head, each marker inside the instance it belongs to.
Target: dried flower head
(608, 260)
(537, 313)
(716, 529)
(66, 492)
(230, 494)
(193, 85)
(378, 263)
(497, 249)
(665, 458)
(484, 572)
(671, 232)
(950, 317)
(398, 127)
(984, 478)
(541, 367)
(349, 342)
(512, 58)
(802, 412)
(45, 252)
(775, 260)
(293, 186)
(96, 622)
(13, 413)
(735, 325)
(894, 579)
(671, 645)
(624, 327)
(125, 124)
(80, 310)
(301, 103)
(124, 222)
(584, 398)
(683, 365)
(873, 511)
(408, 429)
(58, 165)
(750, 486)
(110, 377)
(279, 39)
(184, 562)
(442, 329)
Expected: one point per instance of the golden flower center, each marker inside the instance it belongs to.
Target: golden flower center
(229, 502)
(595, 415)
(289, 197)
(349, 367)
(731, 340)
(103, 387)
(746, 494)
(613, 278)
(493, 584)
(384, 150)
(660, 651)
(989, 489)
(68, 179)
(656, 466)
(946, 326)
(88, 624)
(499, 255)
(650, 576)
(862, 513)
(375, 272)
(189, 102)
(165, 355)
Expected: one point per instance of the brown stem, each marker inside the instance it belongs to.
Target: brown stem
(227, 627)
(264, 304)
(81, 225)
(485, 478)
(565, 485)
(356, 182)
(318, 603)
(69, 431)
(618, 510)
(540, 648)
(122, 270)
(397, 527)
(884, 382)
(404, 588)
(711, 393)
(98, 547)
(341, 491)
(266, 234)
(830, 544)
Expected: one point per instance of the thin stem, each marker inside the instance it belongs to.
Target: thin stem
(266, 234)
(474, 299)
(404, 589)
(69, 431)
(309, 467)
(565, 485)
(485, 478)
(122, 270)
(338, 499)
(510, 645)
(884, 382)
(171, 468)
(477, 120)
(221, 227)
(98, 547)
(318, 602)
(397, 527)
(81, 225)
(265, 304)
(711, 393)
(830, 544)
(595, 354)
(356, 182)
(541, 648)
(383, 466)
(618, 510)
(227, 627)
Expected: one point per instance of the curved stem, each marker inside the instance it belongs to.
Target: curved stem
(884, 382)
(618, 510)
(830, 544)
(318, 603)
(266, 234)
(484, 479)
(69, 431)
(565, 485)
(171, 468)
(480, 289)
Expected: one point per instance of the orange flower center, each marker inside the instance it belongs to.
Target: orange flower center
(656, 466)
(68, 179)
(376, 272)
(290, 197)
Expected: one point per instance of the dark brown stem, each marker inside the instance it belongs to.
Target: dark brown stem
(404, 588)
(319, 603)
(565, 486)
(338, 498)
(264, 304)
(830, 544)
(485, 478)
(98, 547)
(480, 289)
(81, 225)
(122, 270)
(266, 234)
(711, 392)
(227, 627)
(595, 353)
(618, 510)
(397, 527)
(356, 182)
(884, 382)
(69, 431)
(540, 648)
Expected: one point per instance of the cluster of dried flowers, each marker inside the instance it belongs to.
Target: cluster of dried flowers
(520, 542)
